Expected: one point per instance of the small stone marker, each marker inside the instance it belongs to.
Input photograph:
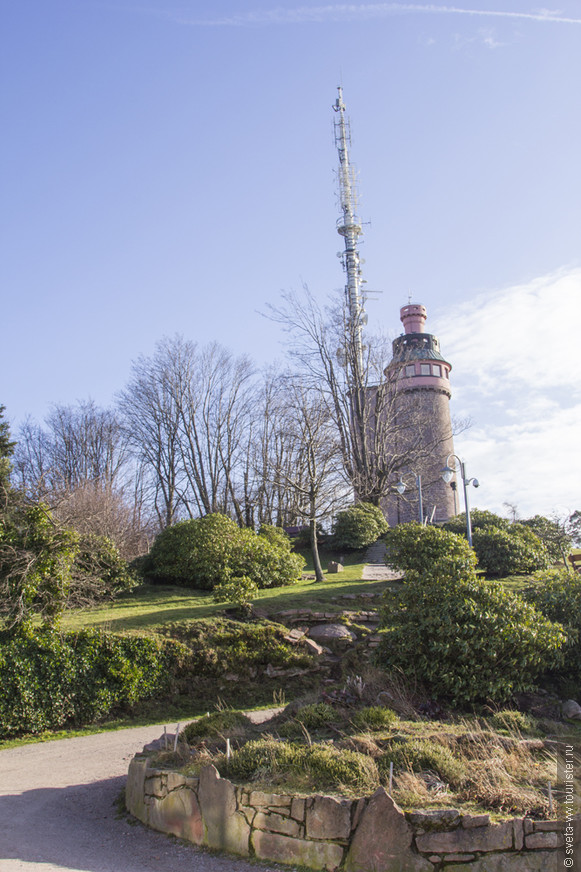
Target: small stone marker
(334, 566)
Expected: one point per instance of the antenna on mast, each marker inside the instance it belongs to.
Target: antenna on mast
(349, 227)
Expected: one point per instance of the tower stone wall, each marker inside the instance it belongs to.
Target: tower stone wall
(421, 381)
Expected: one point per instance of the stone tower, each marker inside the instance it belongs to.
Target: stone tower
(421, 380)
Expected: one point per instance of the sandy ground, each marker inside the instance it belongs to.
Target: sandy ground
(58, 811)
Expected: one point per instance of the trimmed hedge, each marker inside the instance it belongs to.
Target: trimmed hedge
(50, 680)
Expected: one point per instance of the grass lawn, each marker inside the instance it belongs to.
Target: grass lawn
(152, 605)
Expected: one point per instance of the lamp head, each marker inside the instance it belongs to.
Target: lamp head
(448, 474)
(475, 482)
(400, 486)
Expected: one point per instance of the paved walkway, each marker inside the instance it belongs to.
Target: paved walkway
(375, 568)
(59, 812)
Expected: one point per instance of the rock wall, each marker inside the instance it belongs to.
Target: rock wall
(328, 833)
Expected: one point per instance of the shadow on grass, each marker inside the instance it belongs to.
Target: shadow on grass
(150, 606)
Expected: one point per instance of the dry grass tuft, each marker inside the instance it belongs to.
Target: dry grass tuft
(412, 791)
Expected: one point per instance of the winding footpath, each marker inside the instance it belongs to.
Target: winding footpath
(59, 804)
(59, 812)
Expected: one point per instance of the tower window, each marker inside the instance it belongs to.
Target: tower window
(425, 369)
(410, 370)
(437, 369)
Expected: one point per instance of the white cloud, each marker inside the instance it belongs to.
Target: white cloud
(352, 11)
(515, 354)
(517, 336)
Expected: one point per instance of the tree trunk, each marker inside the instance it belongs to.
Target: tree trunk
(315, 551)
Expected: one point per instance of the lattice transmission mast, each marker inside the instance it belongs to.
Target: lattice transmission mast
(349, 227)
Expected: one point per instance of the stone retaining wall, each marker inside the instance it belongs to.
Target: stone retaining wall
(327, 833)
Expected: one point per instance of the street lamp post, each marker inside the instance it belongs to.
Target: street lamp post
(400, 488)
(447, 474)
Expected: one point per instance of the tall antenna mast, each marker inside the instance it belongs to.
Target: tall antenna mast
(350, 228)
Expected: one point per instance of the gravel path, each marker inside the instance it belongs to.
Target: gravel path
(58, 812)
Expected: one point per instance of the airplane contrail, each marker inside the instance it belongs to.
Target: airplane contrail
(351, 11)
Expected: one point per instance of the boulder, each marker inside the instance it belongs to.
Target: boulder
(284, 849)
(496, 837)
(383, 839)
(333, 567)
(225, 829)
(571, 710)
(313, 647)
(329, 818)
(331, 633)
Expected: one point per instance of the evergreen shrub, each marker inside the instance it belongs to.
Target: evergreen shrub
(420, 755)
(464, 638)
(557, 594)
(513, 721)
(358, 526)
(414, 547)
(375, 717)
(206, 551)
(220, 723)
(51, 680)
(316, 715)
(502, 547)
(517, 551)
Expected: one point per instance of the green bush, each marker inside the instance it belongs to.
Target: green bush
(358, 526)
(207, 551)
(240, 590)
(513, 721)
(415, 548)
(557, 594)
(276, 536)
(326, 766)
(502, 548)
(464, 638)
(553, 534)
(420, 755)
(479, 518)
(98, 572)
(50, 680)
(221, 723)
(374, 717)
(316, 715)
(261, 757)
(509, 552)
(36, 559)
(332, 768)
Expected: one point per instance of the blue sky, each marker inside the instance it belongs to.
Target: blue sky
(168, 167)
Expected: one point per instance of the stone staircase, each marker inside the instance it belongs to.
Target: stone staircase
(375, 568)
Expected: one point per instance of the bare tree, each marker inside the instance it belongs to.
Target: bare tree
(78, 463)
(215, 404)
(310, 473)
(269, 499)
(378, 436)
(78, 444)
(150, 413)
(187, 412)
